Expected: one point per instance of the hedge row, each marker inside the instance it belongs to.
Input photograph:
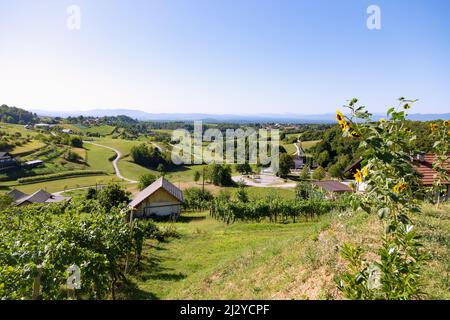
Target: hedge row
(56, 176)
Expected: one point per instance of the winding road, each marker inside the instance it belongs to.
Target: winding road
(114, 163)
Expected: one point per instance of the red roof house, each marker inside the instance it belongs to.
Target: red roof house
(424, 166)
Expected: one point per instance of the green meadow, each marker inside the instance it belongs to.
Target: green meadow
(212, 260)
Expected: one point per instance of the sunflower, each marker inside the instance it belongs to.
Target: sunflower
(433, 127)
(358, 176)
(355, 134)
(382, 120)
(344, 125)
(446, 123)
(366, 171)
(340, 117)
(399, 187)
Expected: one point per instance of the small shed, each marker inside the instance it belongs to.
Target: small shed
(161, 198)
(34, 163)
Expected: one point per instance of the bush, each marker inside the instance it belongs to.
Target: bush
(56, 176)
(147, 156)
(145, 180)
(319, 173)
(286, 164)
(220, 175)
(196, 199)
(244, 168)
(113, 195)
(72, 156)
(76, 141)
(91, 193)
(5, 201)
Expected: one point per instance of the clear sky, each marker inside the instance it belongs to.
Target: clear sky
(224, 56)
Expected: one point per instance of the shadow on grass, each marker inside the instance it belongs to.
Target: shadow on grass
(129, 290)
(149, 270)
(186, 219)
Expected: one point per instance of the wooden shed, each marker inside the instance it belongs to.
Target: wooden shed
(161, 198)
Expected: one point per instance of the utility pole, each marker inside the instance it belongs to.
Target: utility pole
(203, 184)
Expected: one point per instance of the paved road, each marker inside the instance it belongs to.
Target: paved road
(119, 155)
(59, 193)
(265, 181)
(298, 149)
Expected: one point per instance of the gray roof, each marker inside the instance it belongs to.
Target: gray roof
(29, 163)
(41, 196)
(4, 154)
(333, 186)
(160, 183)
(16, 194)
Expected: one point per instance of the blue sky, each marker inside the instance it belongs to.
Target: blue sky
(233, 56)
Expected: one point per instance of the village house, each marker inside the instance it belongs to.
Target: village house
(42, 126)
(7, 161)
(332, 188)
(161, 198)
(40, 196)
(424, 166)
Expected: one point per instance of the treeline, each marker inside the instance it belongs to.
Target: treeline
(16, 115)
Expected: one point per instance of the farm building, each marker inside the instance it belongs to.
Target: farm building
(331, 188)
(33, 163)
(7, 161)
(161, 198)
(41, 196)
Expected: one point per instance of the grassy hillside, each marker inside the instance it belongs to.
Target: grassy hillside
(98, 158)
(27, 148)
(62, 184)
(274, 261)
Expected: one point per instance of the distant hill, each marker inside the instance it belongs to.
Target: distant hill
(281, 118)
(16, 115)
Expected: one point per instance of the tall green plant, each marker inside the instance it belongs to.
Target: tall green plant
(390, 182)
(441, 147)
